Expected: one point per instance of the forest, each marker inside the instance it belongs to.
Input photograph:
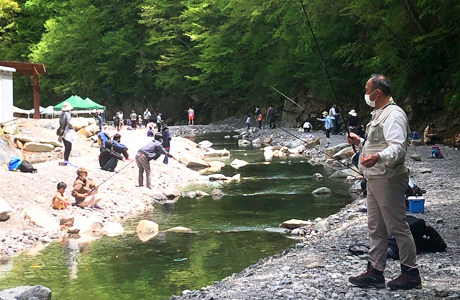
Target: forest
(223, 56)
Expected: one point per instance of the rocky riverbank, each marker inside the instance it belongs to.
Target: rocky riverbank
(320, 264)
(317, 268)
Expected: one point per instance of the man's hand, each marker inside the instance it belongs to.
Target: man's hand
(370, 160)
(353, 139)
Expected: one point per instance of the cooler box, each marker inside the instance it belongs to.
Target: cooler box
(416, 204)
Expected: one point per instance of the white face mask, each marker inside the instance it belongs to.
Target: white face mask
(367, 98)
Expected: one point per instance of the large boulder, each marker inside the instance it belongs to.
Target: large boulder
(333, 150)
(40, 219)
(146, 230)
(37, 292)
(244, 143)
(193, 162)
(294, 223)
(171, 193)
(5, 210)
(51, 142)
(344, 153)
(38, 147)
(86, 225)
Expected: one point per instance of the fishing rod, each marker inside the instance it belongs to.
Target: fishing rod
(324, 152)
(115, 173)
(288, 98)
(325, 69)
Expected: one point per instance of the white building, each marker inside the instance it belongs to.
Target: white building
(6, 94)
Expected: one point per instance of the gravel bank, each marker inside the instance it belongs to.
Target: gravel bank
(320, 264)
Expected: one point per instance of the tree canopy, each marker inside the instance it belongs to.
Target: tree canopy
(226, 54)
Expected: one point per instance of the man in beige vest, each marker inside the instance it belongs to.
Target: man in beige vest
(382, 163)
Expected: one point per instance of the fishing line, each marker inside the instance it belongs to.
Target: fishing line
(327, 155)
(114, 173)
(325, 69)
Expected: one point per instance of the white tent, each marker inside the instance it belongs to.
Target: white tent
(49, 111)
(41, 109)
(17, 110)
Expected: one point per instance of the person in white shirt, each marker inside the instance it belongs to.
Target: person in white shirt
(382, 164)
(191, 116)
(333, 113)
(307, 126)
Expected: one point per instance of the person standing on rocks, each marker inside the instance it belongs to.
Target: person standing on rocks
(147, 116)
(133, 117)
(166, 142)
(69, 136)
(271, 117)
(159, 123)
(191, 116)
(328, 123)
(152, 150)
(382, 163)
(333, 113)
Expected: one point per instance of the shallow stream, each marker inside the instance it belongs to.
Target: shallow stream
(230, 234)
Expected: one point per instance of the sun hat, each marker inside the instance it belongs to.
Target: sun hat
(353, 113)
(82, 170)
(66, 106)
(325, 113)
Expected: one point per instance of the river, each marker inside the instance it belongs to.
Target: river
(229, 235)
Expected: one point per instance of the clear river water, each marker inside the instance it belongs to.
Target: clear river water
(230, 234)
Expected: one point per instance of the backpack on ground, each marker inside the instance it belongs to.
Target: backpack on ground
(27, 167)
(14, 163)
(426, 239)
(436, 152)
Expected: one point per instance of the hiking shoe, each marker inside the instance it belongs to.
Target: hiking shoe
(370, 278)
(408, 279)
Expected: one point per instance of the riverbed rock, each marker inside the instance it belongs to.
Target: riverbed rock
(277, 230)
(51, 142)
(294, 223)
(41, 219)
(318, 176)
(190, 194)
(244, 143)
(38, 147)
(146, 230)
(344, 173)
(9, 129)
(330, 151)
(210, 152)
(322, 190)
(425, 170)
(193, 162)
(5, 210)
(238, 163)
(180, 229)
(204, 144)
(217, 194)
(113, 229)
(344, 153)
(171, 193)
(416, 157)
(37, 292)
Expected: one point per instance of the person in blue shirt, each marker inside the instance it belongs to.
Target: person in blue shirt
(102, 139)
(415, 139)
(119, 147)
(328, 123)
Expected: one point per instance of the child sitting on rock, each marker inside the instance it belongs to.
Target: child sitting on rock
(59, 201)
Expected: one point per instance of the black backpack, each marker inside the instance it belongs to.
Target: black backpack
(27, 167)
(426, 238)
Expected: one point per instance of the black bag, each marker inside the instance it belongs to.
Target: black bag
(426, 239)
(60, 131)
(27, 167)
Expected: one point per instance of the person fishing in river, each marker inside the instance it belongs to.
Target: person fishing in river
(382, 163)
(153, 150)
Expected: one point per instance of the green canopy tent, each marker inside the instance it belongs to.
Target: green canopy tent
(80, 104)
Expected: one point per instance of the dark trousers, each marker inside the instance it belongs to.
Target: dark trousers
(249, 124)
(110, 165)
(328, 132)
(165, 160)
(259, 124)
(158, 127)
(67, 149)
(133, 124)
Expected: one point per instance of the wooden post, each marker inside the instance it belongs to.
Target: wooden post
(36, 87)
